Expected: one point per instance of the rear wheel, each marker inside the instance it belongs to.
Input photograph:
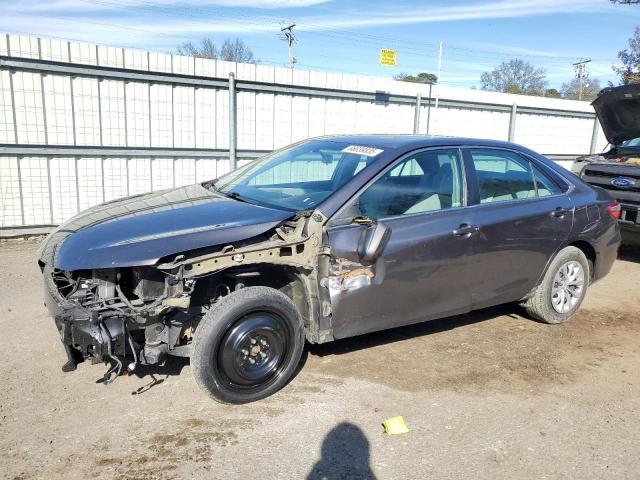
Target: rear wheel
(562, 289)
(248, 346)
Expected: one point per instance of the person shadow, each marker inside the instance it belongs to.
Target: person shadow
(345, 455)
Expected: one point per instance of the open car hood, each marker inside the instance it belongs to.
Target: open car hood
(142, 229)
(618, 110)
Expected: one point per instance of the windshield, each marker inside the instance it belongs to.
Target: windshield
(300, 177)
(634, 142)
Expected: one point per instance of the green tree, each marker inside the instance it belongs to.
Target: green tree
(552, 93)
(629, 72)
(515, 76)
(590, 88)
(422, 77)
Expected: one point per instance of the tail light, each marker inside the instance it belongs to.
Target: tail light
(614, 209)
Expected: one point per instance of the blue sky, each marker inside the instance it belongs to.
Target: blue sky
(341, 35)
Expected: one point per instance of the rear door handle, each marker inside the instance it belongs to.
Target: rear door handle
(466, 230)
(559, 212)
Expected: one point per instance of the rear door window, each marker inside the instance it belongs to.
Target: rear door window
(502, 175)
(544, 184)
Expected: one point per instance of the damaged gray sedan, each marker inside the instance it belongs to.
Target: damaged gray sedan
(325, 239)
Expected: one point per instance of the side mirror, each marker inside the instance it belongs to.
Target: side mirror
(373, 241)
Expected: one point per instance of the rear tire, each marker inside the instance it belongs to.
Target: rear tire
(562, 289)
(248, 345)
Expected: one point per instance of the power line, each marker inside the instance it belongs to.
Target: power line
(323, 30)
(581, 74)
(288, 35)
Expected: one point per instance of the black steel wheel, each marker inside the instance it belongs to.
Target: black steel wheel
(248, 346)
(252, 351)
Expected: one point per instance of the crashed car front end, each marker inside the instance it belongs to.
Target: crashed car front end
(111, 314)
(128, 281)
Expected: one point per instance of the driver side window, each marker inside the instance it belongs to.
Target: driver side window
(426, 181)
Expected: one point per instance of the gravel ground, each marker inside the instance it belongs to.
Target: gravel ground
(487, 395)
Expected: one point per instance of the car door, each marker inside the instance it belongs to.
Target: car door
(522, 215)
(421, 272)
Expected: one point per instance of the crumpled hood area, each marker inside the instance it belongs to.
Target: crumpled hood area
(142, 229)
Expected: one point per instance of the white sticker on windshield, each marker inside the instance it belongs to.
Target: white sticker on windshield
(362, 150)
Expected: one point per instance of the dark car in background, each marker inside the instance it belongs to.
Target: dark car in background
(618, 169)
(326, 239)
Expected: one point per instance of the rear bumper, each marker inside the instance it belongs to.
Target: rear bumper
(630, 234)
(607, 249)
(629, 216)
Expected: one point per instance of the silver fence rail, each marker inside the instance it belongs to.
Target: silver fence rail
(35, 197)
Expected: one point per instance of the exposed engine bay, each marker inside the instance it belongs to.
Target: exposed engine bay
(145, 313)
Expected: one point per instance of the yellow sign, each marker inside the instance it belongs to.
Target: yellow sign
(388, 57)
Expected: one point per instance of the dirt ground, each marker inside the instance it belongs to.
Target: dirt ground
(488, 395)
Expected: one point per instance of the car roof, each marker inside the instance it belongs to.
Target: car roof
(408, 142)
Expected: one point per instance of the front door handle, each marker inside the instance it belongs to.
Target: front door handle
(559, 212)
(466, 230)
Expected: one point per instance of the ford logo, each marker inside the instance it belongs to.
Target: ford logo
(623, 182)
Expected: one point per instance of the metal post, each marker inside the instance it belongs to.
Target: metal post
(150, 116)
(73, 113)
(75, 166)
(49, 186)
(195, 118)
(416, 115)
(44, 110)
(594, 136)
(13, 106)
(429, 109)
(18, 159)
(173, 116)
(512, 122)
(100, 111)
(126, 167)
(104, 190)
(232, 121)
(126, 121)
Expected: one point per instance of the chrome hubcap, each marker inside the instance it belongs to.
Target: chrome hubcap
(568, 287)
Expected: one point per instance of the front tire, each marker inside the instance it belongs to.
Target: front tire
(248, 345)
(562, 289)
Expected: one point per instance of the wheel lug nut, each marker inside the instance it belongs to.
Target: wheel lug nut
(262, 354)
(244, 352)
(263, 342)
(252, 361)
(253, 341)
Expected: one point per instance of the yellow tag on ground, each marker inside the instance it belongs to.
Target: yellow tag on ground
(395, 426)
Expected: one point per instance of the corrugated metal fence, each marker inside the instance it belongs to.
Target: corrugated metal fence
(83, 124)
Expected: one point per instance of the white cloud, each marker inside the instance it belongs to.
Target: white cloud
(86, 5)
(474, 11)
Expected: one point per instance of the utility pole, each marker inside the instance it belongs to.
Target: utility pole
(439, 73)
(581, 73)
(290, 38)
